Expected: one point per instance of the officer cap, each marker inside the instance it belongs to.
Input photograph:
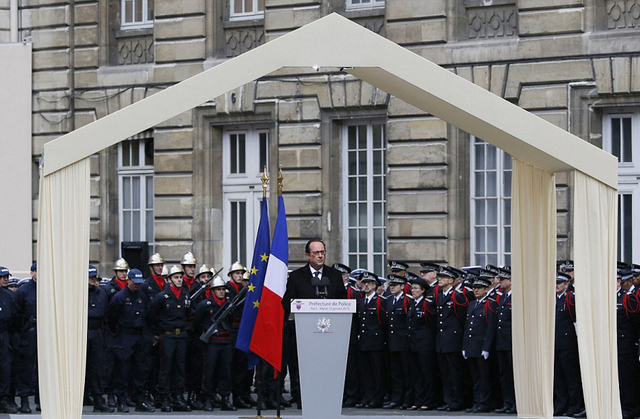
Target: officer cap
(486, 274)
(355, 274)
(136, 276)
(430, 267)
(421, 282)
(4, 271)
(175, 269)
(204, 269)
(34, 267)
(493, 269)
(635, 268)
(566, 265)
(367, 276)
(13, 281)
(217, 282)
(342, 268)
(93, 271)
(625, 275)
(562, 277)
(237, 266)
(505, 272)
(409, 276)
(188, 259)
(396, 266)
(481, 282)
(155, 259)
(473, 270)
(396, 279)
(446, 271)
(23, 281)
(121, 265)
(459, 273)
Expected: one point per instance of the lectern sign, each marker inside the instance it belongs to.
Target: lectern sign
(323, 306)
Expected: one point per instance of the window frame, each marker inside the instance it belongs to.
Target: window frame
(256, 14)
(370, 199)
(374, 4)
(144, 23)
(503, 256)
(144, 172)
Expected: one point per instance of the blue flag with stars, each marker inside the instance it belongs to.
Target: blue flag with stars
(256, 280)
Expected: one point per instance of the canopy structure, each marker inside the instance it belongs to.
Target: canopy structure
(540, 149)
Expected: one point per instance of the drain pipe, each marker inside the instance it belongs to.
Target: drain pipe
(72, 68)
(13, 7)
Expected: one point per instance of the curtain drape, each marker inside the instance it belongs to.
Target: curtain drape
(595, 245)
(63, 257)
(533, 241)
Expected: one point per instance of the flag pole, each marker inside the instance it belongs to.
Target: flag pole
(279, 376)
(265, 181)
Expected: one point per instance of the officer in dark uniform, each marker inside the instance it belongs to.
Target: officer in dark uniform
(567, 384)
(25, 304)
(397, 307)
(168, 311)
(127, 315)
(371, 342)
(451, 306)
(628, 311)
(351, 393)
(95, 342)
(240, 381)
(119, 279)
(153, 285)
(398, 268)
(429, 273)
(422, 347)
(475, 345)
(500, 325)
(218, 351)
(7, 324)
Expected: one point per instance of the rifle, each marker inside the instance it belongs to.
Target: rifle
(203, 287)
(223, 313)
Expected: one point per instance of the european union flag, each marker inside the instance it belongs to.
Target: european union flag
(256, 281)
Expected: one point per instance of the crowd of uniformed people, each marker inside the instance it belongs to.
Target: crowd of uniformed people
(437, 340)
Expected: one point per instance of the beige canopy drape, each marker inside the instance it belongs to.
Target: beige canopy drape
(63, 255)
(533, 259)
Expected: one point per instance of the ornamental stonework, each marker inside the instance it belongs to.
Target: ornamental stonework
(243, 39)
(623, 14)
(135, 50)
(491, 18)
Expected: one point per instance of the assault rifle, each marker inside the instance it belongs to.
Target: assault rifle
(224, 312)
(203, 287)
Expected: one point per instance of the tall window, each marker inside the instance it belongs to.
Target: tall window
(364, 201)
(364, 4)
(245, 154)
(135, 186)
(136, 14)
(621, 131)
(490, 204)
(246, 9)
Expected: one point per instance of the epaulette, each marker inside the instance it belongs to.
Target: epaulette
(166, 296)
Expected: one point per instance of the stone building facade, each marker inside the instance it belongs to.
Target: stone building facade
(375, 177)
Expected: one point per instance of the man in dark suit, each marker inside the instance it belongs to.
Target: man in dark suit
(301, 285)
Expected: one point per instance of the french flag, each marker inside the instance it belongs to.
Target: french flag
(266, 341)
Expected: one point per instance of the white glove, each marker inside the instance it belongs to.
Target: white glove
(485, 355)
(464, 354)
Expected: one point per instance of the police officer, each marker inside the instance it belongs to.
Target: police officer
(398, 268)
(371, 342)
(193, 372)
(422, 347)
(168, 311)
(429, 272)
(95, 341)
(7, 324)
(25, 300)
(218, 350)
(500, 323)
(627, 310)
(475, 345)
(567, 384)
(119, 279)
(397, 306)
(127, 313)
(451, 307)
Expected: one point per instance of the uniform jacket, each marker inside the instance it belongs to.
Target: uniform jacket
(565, 317)
(627, 307)
(25, 305)
(451, 310)
(7, 311)
(397, 323)
(111, 288)
(151, 288)
(97, 308)
(500, 321)
(203, 318)
(371, 320)
(128, 309)
(236, 317)
(476, 327)
(168, 312)
(421, 320)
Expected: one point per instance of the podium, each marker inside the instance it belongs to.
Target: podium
(323, 328)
